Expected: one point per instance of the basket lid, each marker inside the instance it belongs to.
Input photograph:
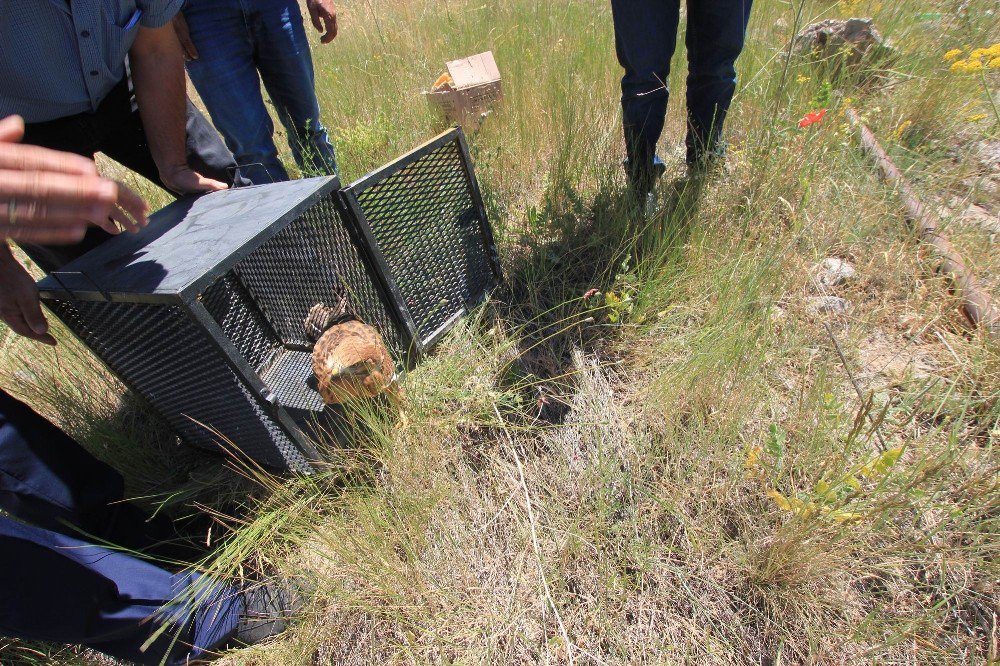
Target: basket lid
(187, 244)
(474, 70)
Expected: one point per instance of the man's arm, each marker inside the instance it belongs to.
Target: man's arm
(324, 16)
(49, 197)
(157, 64)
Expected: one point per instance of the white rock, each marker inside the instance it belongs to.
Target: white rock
(834, 271)
(988, 153)
(853, 41)
(828, 305)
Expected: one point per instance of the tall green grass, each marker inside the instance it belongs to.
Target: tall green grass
(677, 469)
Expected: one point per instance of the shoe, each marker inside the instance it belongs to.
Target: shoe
(659, 168)
(707, 167)
(269, 609)
(643, 190)
(653, 205)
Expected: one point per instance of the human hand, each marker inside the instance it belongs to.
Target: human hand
(184, 37)
(20, 307)
(324, 15)
(50, 197)
(183, 180)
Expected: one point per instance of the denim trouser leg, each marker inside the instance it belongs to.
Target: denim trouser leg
(225, 76)
(286, 69)
(715, 35)
(57, 586)
(206, 153)
(645, 37)
(60, 589)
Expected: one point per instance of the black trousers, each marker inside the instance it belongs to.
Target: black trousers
(60, 584)
(645, 38)
(116, 130)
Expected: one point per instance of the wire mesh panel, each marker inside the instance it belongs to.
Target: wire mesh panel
(315, 260)
(233, 308)
(427, 220)
(200, 395)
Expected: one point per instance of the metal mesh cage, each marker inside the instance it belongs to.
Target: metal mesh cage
(426, 217)
(202, 313)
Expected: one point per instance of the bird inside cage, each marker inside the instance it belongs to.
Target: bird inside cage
(349, 359)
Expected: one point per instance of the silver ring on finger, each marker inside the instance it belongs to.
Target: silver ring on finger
(12, 212)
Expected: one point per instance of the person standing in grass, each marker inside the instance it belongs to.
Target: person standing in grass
(64, 527)
(233, 45)
(645, 37)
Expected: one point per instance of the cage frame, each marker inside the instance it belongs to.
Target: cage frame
(80, 286)
(349, 194)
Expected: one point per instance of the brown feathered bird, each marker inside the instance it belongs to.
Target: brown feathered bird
(350, 359)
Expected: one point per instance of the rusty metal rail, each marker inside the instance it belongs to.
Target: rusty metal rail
(977, 306)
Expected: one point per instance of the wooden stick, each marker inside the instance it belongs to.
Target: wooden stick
(977, 306)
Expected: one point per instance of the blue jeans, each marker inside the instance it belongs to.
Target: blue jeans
(57, 585)
(645, 38)
(241, 43)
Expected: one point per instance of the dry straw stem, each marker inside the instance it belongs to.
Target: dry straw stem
(977, 306)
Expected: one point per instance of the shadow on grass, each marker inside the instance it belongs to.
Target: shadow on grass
(570, 274)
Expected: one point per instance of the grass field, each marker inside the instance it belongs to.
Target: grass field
(678, 469)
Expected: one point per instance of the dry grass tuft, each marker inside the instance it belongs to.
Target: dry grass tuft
(679, 469)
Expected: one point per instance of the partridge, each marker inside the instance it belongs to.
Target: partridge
(349, 359)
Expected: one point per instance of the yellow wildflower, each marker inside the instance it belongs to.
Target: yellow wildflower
(903, 126)
(780, 500)
(994, 50)
(976, 118)
(753, 457)
(966, 65)
(951, 55)
(977, 54)
(802, 78)
(995, 63)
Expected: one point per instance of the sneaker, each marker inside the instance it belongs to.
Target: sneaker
(269, 609)
(644, 193)
(710, 167)
(653, 205)
(659, 168)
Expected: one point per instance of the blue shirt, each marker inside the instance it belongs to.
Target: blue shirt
(62, 57)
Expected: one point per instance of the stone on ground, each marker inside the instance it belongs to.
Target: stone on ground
(852, 41)
(833, 272)
(828, 305)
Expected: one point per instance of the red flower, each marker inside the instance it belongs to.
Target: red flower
(812, 117)
(590, 294)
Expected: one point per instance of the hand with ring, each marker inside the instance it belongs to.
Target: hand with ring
(51, 197)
